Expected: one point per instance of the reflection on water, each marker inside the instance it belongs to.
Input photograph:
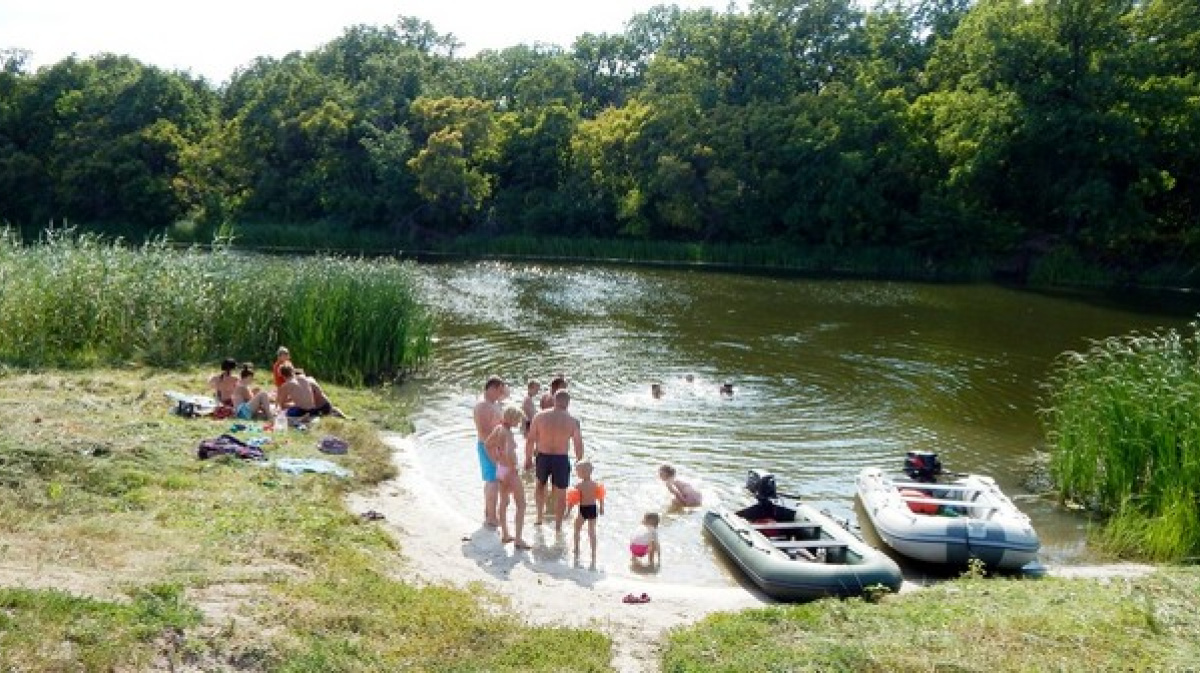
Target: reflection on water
(829, 377)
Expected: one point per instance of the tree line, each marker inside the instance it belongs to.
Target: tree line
(992, 129)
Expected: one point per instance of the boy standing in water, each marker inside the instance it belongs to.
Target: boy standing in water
(591, 506)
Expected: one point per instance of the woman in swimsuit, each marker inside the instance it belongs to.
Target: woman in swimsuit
(502, 448)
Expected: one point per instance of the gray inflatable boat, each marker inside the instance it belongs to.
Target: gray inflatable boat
(793, 552)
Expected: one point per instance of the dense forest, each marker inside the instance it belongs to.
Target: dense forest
(1005, 130)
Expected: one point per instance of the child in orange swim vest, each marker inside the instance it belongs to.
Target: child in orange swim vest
(589, 495)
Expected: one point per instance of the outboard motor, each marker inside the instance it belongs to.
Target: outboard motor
(761, 485)
(922, 466)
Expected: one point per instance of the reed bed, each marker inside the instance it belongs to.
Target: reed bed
(79, 300)
(1123, 422)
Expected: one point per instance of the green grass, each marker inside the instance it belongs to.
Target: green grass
(139, 556)
(994, 624)
(1123, 423)
(78, 301)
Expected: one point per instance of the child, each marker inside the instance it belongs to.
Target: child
(249, 402)
(685, 494)
(644, 542)
(502, 448)
(591, 505)
(530, 406)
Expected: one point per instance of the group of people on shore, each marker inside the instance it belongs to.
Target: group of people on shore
(297, 396)
(551, 433)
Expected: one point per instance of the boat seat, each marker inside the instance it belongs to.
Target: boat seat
(787, 525)
(943, 501)
(809, 544)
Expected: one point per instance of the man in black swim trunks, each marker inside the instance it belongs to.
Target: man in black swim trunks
(549, 434)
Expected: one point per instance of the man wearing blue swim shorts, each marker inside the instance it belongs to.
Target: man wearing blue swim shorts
(550, 433)
(488, 414)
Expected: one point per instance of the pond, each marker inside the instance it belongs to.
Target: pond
(829, 376)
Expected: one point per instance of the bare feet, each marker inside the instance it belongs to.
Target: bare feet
(521, 544)
(492, 524)
(537, 522)
(506, 539)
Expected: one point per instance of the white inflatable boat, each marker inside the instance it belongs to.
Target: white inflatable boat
(931, 518)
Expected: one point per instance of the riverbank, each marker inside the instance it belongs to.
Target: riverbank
(443, 545)
(120, 550)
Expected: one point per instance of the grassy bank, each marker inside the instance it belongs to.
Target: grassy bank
(1123, 423)
(974, 624)
(120, 550)
(78, 301)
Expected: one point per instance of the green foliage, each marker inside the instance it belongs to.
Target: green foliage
(77, 301)
(1123, 421)
(994, 131)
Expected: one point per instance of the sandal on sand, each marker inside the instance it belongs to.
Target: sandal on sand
(630, 598)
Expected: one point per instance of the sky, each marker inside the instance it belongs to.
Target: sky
(212, 38)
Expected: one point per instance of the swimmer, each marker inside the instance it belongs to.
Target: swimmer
(685, 494)
(644, 543)
(656, 390)
(727, 389)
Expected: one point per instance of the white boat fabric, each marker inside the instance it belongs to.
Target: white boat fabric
(948, 522)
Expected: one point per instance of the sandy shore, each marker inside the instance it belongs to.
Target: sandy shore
(443, 545)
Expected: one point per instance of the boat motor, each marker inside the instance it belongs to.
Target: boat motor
(761, 485)
(922, 466)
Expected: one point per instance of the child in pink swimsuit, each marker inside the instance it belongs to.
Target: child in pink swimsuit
(644, 543)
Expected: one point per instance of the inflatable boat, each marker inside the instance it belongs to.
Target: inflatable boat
(928, 517)
(793, 552)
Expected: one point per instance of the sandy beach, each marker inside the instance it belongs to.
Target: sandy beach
(443, 545)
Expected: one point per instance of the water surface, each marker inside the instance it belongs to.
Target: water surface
(830, 376)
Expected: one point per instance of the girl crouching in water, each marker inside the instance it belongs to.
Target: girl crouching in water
(502, 447)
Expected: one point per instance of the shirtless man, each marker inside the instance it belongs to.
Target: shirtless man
(295, 395)
(549, 434)
(488, 414)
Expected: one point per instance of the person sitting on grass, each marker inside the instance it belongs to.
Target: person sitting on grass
(295, 396)
(322, 406)
(224, 383)
(249, 401)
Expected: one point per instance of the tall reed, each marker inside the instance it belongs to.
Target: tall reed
(78, 300)
(1123, 422)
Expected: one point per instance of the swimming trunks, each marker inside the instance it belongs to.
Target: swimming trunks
(487, 468)
(555, 467)
(638, 550)
(588, 512)
(243, 411)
